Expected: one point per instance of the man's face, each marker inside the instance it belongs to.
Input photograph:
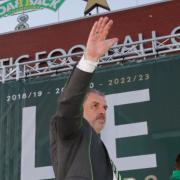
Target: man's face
(95, 111)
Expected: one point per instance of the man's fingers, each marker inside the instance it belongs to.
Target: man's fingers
(99, 26)
(110, 42)
(105, 30)
(93, 30)
(108, 25)
(102, 24)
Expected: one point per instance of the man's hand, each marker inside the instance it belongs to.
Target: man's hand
(97, 44)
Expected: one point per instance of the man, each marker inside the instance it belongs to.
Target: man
(176, 173)
(77, 150)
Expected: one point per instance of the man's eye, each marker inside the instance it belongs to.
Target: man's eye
(94, 105)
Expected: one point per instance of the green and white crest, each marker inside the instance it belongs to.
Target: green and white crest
(14, 6)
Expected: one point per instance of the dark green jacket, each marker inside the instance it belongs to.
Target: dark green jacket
(77, 151)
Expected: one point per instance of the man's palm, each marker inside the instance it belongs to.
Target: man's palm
(97, 44)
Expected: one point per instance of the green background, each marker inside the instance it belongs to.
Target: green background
(162, 112)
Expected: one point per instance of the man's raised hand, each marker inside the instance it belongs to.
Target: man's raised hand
(97, 44)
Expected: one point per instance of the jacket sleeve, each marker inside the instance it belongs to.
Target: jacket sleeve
(68, 118)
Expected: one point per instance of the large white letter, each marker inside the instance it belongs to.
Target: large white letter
(112, 132)
(28, 169)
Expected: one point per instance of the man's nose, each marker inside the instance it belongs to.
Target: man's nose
(102, 110)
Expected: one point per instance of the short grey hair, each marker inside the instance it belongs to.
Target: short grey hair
(89, 91)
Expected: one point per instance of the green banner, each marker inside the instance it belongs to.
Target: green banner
(14, 6)
(142, 133)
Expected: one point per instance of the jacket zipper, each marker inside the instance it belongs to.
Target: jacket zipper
(90, 155)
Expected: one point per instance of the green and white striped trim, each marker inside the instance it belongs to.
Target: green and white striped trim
(115, 171)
